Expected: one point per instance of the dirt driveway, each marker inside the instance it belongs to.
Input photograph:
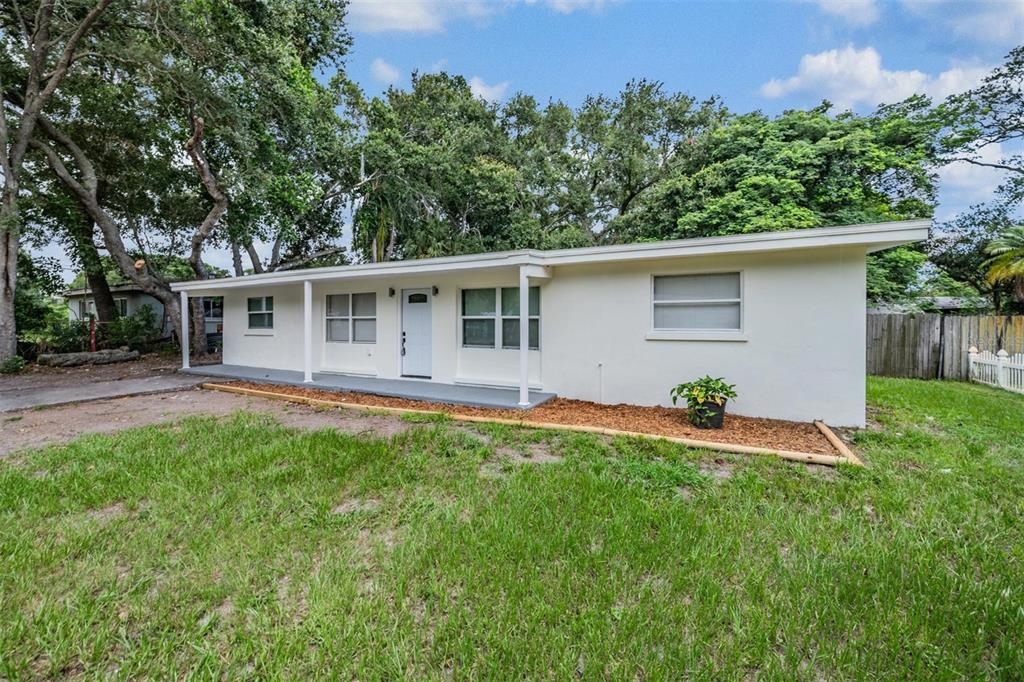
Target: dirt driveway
(42, 386)
(38, 427)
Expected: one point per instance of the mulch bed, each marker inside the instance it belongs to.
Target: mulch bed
(662, 421)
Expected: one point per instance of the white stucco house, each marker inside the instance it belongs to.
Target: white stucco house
(779, 314)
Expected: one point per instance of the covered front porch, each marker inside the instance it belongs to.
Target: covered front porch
(411, 389)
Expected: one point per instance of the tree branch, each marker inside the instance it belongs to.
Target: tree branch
(194, 147)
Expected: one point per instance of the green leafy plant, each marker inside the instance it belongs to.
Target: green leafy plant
(12, 365)
(700, 395)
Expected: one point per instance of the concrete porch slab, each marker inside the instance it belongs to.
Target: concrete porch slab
(411, 389)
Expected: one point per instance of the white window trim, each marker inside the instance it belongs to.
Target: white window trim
(499, 333)
(655, 334)
(498, 320)
(259, 331)
(351, 318)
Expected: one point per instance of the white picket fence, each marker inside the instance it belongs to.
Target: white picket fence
(997, 369)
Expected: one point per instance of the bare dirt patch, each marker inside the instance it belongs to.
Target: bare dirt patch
(37, 428)
(662, 421)
(108, 513)
(355, 505)
(529, 453)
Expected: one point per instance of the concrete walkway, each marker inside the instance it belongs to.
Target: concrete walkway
(475, 396)
(21, 398)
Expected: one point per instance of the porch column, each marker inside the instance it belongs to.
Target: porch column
(524, 337)
(184, 330)
(307, 331)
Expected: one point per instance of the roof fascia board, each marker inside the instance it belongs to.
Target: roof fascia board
(874, 236)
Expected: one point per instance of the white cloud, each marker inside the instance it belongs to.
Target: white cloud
(570, 6)
(990, 21)
(970, 183)
(491, 93)
(849, 77)
(384, 72)
(430, 16)
(373, 16)
(855, 12)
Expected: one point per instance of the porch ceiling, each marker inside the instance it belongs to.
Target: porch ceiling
(410, 389)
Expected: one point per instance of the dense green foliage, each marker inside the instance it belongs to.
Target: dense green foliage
(237, 548)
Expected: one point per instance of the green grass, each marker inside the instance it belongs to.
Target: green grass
(225, 548)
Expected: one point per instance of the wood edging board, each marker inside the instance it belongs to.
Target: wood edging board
(791, 455)
(838, 444)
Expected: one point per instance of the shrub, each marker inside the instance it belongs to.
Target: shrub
(135, 331)
(12, 365)
(700, 394)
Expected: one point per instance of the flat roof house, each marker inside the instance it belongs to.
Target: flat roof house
(780, 314)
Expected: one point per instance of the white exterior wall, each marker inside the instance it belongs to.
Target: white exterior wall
(802, 355)
(281, 349)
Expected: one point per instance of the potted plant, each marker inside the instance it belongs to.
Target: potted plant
(705, 400)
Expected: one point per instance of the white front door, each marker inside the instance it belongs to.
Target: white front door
(416, 332)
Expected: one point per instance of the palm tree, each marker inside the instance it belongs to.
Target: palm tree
(1006, 263)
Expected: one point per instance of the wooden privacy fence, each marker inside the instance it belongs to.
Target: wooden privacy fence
(997, 369)
(933, 346)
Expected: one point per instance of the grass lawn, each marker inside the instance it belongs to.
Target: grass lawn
(240, 548)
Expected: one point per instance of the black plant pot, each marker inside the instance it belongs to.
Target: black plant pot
(708, 416)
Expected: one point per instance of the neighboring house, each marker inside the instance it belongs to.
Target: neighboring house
(780, 314)
(129, 298)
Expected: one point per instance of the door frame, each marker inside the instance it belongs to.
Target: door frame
(401, 329)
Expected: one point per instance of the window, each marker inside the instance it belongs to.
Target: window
(261, 312)
(121, 304)
(351, 318)
(697, 302)
(481, 320)
(213, 308)
(83, 309)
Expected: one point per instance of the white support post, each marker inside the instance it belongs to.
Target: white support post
(524, 337)
(307, 331)
(184, 330)
(972, 355)
(1001, 368)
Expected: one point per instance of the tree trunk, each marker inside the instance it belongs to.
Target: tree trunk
(82, 235)
(9, 240)
(198, 324)
(236, 259)
(254, 256)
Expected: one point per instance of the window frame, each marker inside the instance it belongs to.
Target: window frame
(463, 317)
(498, 317)
(350, 317)
(500, 331)
(262, 311)
(698, 334)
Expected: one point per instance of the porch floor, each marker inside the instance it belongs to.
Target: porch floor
(413, 389)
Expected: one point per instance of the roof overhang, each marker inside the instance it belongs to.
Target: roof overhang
(871, 237)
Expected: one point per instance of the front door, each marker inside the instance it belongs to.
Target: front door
(416, 333)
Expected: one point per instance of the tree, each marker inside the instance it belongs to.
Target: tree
(990, 114)
(1006, 262)
(39, 48)
(958, 249)
(233, 85)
